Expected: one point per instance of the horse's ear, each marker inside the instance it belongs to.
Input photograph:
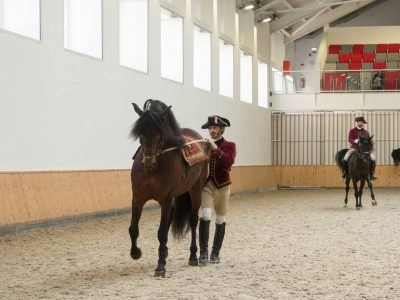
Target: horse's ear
(165, 112)
(137, 109)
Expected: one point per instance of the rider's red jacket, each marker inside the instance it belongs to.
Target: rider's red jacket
(221, 162)
(355, 134)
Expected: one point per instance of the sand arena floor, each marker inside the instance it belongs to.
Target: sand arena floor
(279, 245)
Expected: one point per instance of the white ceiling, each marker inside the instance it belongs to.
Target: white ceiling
(296, 18)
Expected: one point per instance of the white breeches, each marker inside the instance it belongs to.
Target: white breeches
(351, 150)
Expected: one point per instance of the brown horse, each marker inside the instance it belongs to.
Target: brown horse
(359, 166)
(160, 172)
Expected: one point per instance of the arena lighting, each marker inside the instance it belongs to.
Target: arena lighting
(266, 20)
(248, 5)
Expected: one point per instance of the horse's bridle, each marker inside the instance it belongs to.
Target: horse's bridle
(158, 152)
(365, 156)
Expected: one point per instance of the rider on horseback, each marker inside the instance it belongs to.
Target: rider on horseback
(354, 135)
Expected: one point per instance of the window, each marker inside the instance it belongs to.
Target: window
(246, 77)
(133, 30)
(278, 80)
(262, 84)
(171, 46)
(225, 68)
(202, 59)
(83, 27)
(21, 16)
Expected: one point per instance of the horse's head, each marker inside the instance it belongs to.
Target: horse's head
(155, 128)
(365, 144)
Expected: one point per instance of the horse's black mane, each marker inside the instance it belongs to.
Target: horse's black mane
(157, 113)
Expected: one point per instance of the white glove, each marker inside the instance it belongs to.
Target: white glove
(212, 144)
(356, 141)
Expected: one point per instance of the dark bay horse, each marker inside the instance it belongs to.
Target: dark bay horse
(359, 165)
(159, 172)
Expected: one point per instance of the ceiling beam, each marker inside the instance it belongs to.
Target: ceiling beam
(268, 6)
(287, 4)
(294, 17)
(313, 7)
(304, 25)
(327, 18)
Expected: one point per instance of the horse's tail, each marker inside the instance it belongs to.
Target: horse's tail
(339, 158)
(181, 217)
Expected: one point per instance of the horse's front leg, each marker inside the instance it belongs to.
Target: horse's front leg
(163, 237)
(356, 193)
(374, 203)
(137, 209)
(362, 184)
(347, 190)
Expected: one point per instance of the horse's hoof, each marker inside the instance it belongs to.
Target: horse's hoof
(193, 263)
(136, 253)
(374, 203)
(345, 206)
(159, 273)
(358, 208)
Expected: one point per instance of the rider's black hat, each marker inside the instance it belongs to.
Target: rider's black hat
(216, 121)
(361, 119)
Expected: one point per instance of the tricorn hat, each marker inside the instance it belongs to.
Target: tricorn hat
(216, 121)
(361, 119)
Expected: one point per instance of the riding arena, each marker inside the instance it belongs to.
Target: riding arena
(199, 149)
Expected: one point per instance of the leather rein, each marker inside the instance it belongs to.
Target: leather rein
(161, 151)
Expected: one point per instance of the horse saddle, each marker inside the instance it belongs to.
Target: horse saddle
(193, 153)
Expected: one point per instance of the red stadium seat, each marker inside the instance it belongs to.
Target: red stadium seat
(381, 48)
(340, 84)
(379, 65)
(390, 81)
(358, 48)
(328, 81)
(334, 49)
(356, 57)
(344, 58)
(369, 57)
(355, 66)
(393, 48)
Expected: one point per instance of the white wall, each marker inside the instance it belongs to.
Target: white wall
(277, 50)
(364, 35)
(65, 111)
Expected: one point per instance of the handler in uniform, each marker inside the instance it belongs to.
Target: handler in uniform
(354, 134)
(217, 190)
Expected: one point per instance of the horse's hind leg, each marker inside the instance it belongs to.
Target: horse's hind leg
(163, 237)
(137, 209)
(374, 203)
(347, 190)
(194, 219)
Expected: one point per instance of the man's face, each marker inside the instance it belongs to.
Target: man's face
(360, 124)
(215, 132)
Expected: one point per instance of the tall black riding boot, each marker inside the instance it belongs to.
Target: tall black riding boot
(373, 167)
(218, 239)
(204, 233)
(345, 171)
